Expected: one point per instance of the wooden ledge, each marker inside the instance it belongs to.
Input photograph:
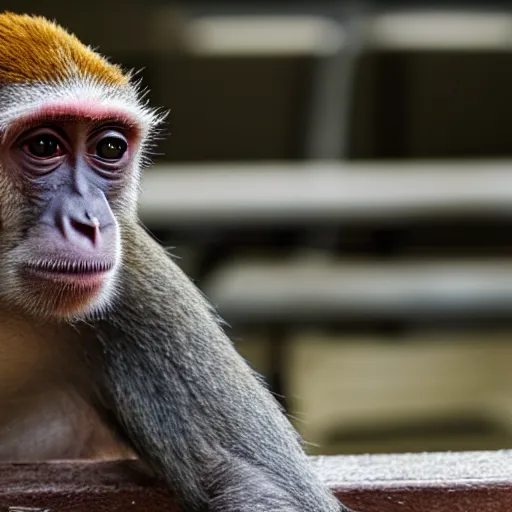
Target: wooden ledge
(424, 482)
(444, 482)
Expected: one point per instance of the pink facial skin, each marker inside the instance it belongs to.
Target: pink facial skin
(73, 249)
(79, 109)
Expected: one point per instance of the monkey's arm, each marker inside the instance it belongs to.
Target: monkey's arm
(189, 404)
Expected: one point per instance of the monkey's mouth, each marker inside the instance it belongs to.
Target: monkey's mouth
(86, 274)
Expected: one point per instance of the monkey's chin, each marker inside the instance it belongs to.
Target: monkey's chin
(63, 295)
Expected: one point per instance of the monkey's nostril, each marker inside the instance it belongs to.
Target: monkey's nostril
(90, 230)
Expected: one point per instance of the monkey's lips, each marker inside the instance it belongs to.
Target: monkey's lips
(80, 274)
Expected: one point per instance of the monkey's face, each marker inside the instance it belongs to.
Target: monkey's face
(66, 174)
(72, 132)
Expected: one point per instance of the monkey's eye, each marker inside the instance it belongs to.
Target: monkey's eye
(44, 145)
(111, 148)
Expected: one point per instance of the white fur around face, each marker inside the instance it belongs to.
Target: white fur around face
(20, 100)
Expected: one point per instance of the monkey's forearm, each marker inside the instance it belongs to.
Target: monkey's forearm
(189, 403)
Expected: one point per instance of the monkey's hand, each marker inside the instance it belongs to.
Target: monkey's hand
(238, 486)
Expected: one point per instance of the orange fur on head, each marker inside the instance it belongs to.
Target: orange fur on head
(33, 49)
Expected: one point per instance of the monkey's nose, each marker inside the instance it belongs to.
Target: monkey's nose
(88, 228)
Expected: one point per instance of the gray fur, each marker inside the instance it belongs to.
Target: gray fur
(188, 403)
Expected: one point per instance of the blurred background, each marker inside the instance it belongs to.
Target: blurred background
(337, 177)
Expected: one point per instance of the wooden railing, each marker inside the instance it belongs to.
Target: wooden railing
(440, 482)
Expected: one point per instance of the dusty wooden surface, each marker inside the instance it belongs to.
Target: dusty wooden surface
(443, 482)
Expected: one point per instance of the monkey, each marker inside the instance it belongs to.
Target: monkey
(107, 349)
